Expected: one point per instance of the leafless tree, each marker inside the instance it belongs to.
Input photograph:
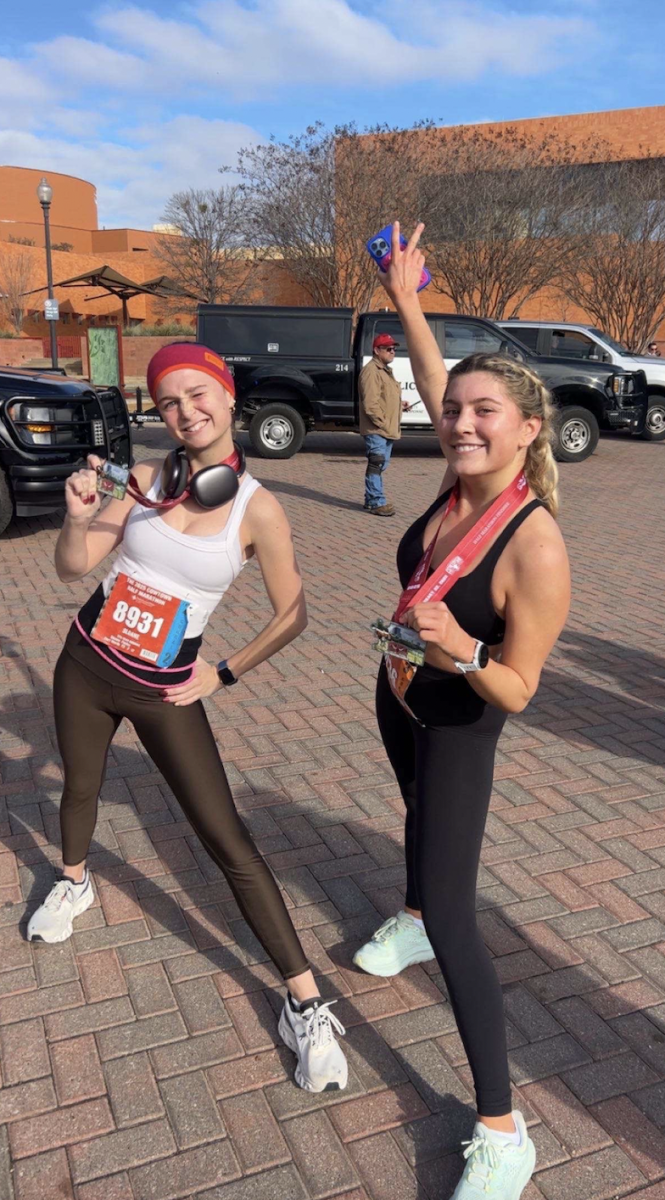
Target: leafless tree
(497, 207)
(617, 270)
(16, 276)
(202, 250)
(312, 202)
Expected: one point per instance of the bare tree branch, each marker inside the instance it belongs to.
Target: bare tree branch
(202, 249)
(497, 208)
(311, 203)
(617, 269)
(16, 277)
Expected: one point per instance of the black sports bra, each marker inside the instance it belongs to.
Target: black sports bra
(470, 597)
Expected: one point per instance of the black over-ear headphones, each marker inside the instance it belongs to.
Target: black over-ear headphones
(210, 487)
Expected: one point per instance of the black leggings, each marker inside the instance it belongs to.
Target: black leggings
(88, 711)
(445, 777)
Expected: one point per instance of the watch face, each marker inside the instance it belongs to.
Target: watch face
(483, 655)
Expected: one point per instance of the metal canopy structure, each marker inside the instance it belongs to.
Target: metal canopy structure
(113, 283)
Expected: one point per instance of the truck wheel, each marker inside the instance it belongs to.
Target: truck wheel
(654, 430)
(277, 431)
(6, 505)
(576, 434)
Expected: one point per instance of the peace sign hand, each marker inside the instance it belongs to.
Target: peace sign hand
(403, 276)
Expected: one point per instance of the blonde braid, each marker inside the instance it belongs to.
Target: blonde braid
(533, 399)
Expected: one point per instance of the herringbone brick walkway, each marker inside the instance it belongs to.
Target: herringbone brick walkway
(140, 1060)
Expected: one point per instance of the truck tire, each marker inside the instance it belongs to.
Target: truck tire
(576, 434)
(654, 430)
(277, 431)
(6, 504)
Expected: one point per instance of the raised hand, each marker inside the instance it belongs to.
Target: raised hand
(403, 276)
(81, 495)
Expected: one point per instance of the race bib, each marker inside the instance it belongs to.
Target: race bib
(141, 621)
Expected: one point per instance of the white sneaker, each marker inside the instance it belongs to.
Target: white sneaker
(495, 1168)
(52, 922)
(397, 944)
(322, 1065)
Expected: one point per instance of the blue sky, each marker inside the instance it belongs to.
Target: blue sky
(144, 99)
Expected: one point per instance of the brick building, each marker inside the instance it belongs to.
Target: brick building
(628, 133)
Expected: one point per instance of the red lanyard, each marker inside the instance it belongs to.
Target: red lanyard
(497, 515)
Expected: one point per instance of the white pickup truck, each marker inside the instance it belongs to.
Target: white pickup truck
(585, 342)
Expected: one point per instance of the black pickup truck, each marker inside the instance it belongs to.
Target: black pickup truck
(296, 369)
(48, 425)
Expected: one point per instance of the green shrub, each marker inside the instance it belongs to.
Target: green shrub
(168, 329)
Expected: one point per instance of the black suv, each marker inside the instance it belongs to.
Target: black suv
(48, 425)
(297, 369)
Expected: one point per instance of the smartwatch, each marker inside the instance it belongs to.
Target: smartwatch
(481, 657)
(225, 674)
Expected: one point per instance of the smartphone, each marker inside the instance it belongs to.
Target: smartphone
(379, 248)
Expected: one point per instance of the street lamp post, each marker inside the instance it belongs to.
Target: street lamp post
(45, 194)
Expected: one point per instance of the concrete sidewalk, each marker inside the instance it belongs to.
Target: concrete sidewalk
(140, 1060)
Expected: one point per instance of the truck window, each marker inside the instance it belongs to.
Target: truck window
(569, 343)
(311, 336)
(388, 324)
(526, 334)
(467, 337)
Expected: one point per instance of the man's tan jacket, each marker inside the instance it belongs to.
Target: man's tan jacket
(380, 400)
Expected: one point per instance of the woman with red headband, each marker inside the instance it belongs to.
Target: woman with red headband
(183, 531)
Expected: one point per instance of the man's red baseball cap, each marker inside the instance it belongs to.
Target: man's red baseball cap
(384, 341)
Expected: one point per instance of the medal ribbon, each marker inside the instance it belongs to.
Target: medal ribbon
(421, 590)
(462, 555)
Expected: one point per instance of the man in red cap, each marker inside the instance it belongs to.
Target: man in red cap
(380, 412)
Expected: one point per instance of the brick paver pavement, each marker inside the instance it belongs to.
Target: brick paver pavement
(140, 1060)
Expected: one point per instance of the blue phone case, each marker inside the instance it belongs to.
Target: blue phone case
(379, 248)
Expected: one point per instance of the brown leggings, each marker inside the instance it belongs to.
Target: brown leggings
(88, 711)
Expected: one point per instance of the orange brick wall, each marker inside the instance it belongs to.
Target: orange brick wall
(629, 132)
(73, 208)
(121, 240)
(137, 351)
(14, 352)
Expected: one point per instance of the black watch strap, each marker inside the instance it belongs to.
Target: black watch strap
(225, 674)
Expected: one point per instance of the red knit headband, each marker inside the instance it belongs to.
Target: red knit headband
(179, 355)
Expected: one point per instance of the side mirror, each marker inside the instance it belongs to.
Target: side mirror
(607, 357)
(512, 351)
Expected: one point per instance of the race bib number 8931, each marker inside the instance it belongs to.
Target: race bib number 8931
(141, 621)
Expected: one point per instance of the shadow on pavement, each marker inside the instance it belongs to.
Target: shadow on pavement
(415, 1041)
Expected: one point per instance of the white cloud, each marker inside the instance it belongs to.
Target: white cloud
(105, 107)
(135, 177)
(285, 43)
(23, 93)
(84, 62)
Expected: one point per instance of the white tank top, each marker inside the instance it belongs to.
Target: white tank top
(196, 569)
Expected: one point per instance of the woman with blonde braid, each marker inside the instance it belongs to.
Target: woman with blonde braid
(491, 545)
